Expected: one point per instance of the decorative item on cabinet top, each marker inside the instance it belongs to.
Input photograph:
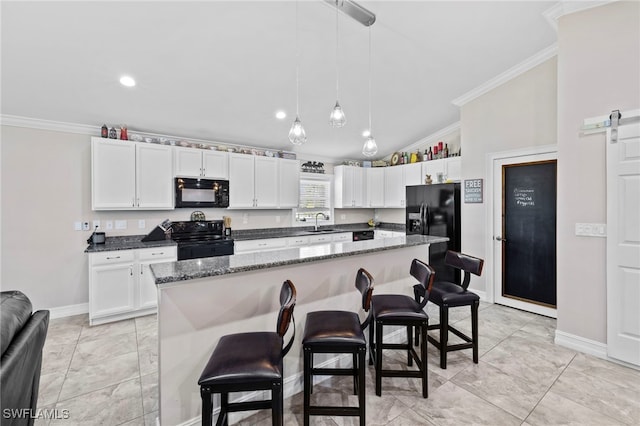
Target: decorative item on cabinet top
(312, 167)
(176, 141)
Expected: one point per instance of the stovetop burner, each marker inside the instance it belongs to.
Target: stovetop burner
(198, 239)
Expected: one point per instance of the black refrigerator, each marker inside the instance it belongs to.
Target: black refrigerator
(435, 210)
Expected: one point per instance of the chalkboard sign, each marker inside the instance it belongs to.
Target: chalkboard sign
(529, 228)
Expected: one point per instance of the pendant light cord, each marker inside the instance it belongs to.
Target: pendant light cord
(337, 49)
(370, 130)
(297, 66)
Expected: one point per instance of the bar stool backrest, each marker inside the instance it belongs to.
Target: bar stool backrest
(425, 275)
(469, 264)
(285, 316)
(364, 284)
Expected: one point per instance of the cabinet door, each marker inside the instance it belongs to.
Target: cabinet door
(266, 182)
(341, 237)
(375, 187)
(241, 181)
(187, 162)
(432, 168)
(359, 187)
(289, 183)
(394, 190)
(113, 174)
(147, 290)
(112, 289)
(343, 186)
(413, 174)
(454, 169)
(215, 164)
(154, 180)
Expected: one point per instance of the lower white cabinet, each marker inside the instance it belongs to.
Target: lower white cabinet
(341, 237)
(383, 233)
(250, 246)
(121, 285)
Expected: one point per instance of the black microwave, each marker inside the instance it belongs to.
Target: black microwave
(193, 192)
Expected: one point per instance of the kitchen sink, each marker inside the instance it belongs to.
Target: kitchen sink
(319, 231)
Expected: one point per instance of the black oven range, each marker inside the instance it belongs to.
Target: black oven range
(197, 239)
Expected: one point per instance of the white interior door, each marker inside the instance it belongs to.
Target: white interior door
(498, 164)
(623, 243)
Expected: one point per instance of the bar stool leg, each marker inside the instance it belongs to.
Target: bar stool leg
(474, 329)
(371, 342)
(409, 345)
(308, 365)
(276, 403)
(423, 357)
(207, 407)
(444, 335)
(378, 344)
(224, 409)
(355, 377)
(361, 386)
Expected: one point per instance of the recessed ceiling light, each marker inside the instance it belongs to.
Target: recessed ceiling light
(366, 133)
(127, 81)
(281, 115)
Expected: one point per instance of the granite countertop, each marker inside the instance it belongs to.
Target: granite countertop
(184, 270)
(128, 242)
(255, 234)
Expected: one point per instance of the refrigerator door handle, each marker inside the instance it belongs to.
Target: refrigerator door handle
(426, 219)
(422, 218)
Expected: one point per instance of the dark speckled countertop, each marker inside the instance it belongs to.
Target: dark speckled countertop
(184, 270)
(130, 242)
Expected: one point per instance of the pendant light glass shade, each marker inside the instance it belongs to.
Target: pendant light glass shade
(337, 117)
(297, 135)
(370, 148)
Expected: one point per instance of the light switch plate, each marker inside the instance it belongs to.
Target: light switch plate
(141, 224)
(77, 226)
(109, 225)
(96, 224)
(591, 230)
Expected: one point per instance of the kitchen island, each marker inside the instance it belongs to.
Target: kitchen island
(200, 300)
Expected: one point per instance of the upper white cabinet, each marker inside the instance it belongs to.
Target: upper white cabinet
(255, 182)
(413, 174)
(193, 162)
(375, 186)
(394, 188)
(129, 175)
(349, 186)
(449, 167)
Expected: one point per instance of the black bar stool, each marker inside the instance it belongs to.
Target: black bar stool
(447, 295)
(397, 309)
(337, 332)
(247, 362)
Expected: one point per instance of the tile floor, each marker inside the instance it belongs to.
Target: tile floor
(107, 375)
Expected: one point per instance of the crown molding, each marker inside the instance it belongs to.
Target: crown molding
(434, 137)
(565, 7)
(511, 73)
(56, 126)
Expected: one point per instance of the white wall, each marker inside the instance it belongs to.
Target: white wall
(598, 71)
(46, 187)
(518, 114)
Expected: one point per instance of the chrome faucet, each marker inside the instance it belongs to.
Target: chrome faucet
(323, 216)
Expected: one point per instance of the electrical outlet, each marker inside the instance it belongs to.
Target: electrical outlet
(96, 224)
(141, 224)
(121, 224)
(77, 226)
(109, 225)
(85, 226)
(591, 229)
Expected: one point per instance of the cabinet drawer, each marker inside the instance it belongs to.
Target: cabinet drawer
(297, 241)
(111, 257)
(320, 239)
(344, 236)
(257, 245)
(155, 253)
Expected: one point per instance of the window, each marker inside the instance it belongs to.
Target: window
(315, 198)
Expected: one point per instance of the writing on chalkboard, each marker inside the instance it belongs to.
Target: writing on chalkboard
(524, 197)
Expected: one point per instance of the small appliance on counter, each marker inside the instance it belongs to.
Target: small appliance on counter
(97, 237)
(227, 225)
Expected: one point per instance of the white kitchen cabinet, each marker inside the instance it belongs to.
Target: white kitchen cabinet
(249, 246)
(342, 237)
(394, 189)
(383, 233)
(129, 175)
(320, 239)
(449, 167)
(288, 183)
(121, 285)
(297, 241)
(375, 187)
(193, 162)
(262, 182)
(349, 186)
(413, 174)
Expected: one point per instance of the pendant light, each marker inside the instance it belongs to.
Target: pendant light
(370, 148)
(297, 135)
(337, 117)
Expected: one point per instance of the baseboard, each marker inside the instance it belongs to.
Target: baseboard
(480, 293)
(581, 344)
(69, 310)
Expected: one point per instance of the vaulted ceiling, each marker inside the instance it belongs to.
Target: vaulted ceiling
(219, 70)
